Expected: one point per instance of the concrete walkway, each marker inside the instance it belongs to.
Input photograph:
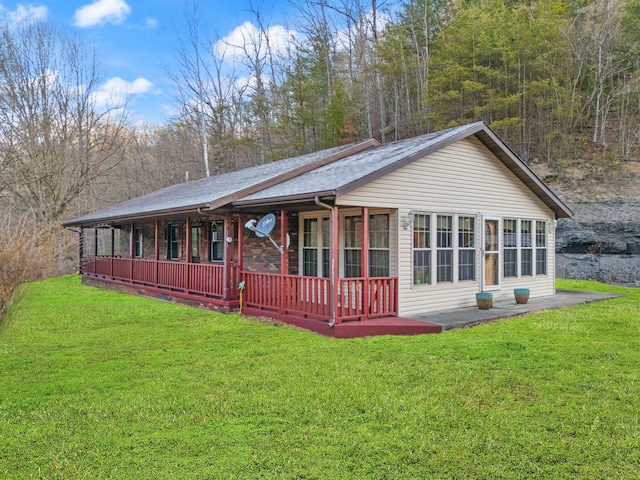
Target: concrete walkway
(468, 317)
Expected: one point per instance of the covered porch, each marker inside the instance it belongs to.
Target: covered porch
(263, 293)
(317, 302)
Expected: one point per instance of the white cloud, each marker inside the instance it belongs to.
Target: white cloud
(247, 37)
(115, 91)
(23, 14)
(101, 12)
(151, 22)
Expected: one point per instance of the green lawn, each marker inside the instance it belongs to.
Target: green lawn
(96, 384)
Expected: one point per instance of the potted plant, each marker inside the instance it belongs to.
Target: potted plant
(484, 300)
(521, 294)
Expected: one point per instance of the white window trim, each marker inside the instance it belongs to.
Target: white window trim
(433, 235)
(520, 247)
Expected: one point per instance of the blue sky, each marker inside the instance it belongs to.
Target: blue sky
(135, 39)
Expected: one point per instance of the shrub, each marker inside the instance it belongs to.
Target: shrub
(27, 253)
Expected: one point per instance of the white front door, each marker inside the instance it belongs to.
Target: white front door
(491, 251)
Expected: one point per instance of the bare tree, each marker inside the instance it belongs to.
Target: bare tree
(209, 95)
(53, 139)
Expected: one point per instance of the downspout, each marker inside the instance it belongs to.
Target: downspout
(333, 262)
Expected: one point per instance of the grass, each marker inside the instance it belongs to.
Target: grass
(96, 384)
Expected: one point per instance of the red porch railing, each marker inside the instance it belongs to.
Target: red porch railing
(191, 278)
(363, 298)
(310, 296)
(358, 298)
(289, 294)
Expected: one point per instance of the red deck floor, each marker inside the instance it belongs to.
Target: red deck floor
(367, 328)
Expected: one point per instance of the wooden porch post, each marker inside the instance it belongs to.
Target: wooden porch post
(132, 250)
(95, 242)
(157, 251)
(113, 235)
(284, 257)
(284, 261)
(80, 250)
(187, 252)
(335, 281)
(228, 257)
(240, 237)
(364, 235)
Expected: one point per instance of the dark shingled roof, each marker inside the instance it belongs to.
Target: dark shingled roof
(338, 175)
(207, 191)
(331, 172)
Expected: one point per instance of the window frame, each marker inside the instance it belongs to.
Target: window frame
(218, 241)
(352, 247)
(510, 249)
(444, 249)
(530, 250)
(138, 241)
(420, 230)
(379, 250)
(171, 241)
(541, 249)
(352, 244)
(439, 248)
(464, 247)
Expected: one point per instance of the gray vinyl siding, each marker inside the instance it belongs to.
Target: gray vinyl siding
(466, 179)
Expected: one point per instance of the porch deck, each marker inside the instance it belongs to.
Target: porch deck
(355, 329)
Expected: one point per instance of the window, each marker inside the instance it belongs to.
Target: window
(510, 247)
(216, 242)
(379, 245)
(315, 246)
(326, 242)
(421, 249)
(196, 242)
(541, 247)
(444, 249)
(526, 252)
(352, 246)
(310, 247)
(108, 242)
(316, 241)
(173, 250)
(138, 241)
(466, 248)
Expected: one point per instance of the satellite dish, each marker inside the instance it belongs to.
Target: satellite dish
(266, 225)
(264, 228)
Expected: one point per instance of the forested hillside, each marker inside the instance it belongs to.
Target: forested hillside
(558, 80)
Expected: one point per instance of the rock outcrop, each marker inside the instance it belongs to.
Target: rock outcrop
(601, 242)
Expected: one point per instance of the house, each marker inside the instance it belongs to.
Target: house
(356, 235)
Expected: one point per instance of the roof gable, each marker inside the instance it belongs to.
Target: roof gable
(344, 176)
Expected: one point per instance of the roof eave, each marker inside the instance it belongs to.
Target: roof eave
(521, 170)
(285, 200)
(132, 217)
(220, 203)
